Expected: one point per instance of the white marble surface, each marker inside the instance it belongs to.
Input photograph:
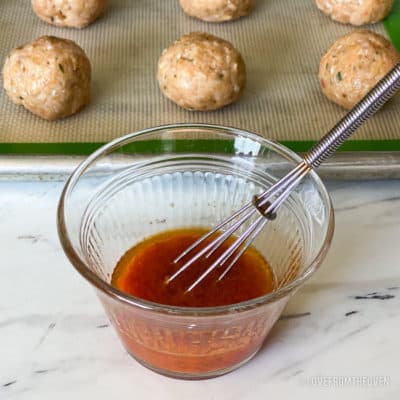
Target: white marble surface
(339, 336)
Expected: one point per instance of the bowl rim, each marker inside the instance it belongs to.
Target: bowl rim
(108, 289)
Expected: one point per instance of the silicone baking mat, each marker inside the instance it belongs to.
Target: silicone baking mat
(282, 42)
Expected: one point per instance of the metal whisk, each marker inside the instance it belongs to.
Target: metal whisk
(267, 203)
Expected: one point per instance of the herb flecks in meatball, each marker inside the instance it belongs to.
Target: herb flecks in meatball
(201, 72)
(217, 10)
(68, 13)
(354, 64)
(356, 12)
(49, 76)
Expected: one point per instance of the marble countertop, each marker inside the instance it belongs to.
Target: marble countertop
(339, 336)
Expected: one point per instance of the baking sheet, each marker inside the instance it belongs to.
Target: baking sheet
(281, 41)
(342, 166)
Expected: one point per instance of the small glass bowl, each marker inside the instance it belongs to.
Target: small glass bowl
(190, 176)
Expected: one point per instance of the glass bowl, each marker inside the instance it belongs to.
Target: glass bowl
(181, 176)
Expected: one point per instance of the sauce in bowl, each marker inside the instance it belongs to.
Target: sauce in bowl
(190, 345)
(144, 269)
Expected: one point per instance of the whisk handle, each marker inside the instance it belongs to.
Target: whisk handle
(368, 106)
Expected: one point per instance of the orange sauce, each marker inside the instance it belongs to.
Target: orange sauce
(167, 343)
(143, 271)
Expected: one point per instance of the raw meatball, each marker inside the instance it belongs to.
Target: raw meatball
(49, 76)
(217, 10)
(201, 72)
(354, 65)
(356, 12)
(70, 13)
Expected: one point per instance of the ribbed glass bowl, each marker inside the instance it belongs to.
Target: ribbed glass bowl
(190, 176)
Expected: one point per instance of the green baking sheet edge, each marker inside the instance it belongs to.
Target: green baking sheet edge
(198, 146)
(392, 24)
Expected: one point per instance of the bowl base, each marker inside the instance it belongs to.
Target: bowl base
(194, 376)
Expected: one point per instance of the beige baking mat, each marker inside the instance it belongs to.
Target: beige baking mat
(281, 41)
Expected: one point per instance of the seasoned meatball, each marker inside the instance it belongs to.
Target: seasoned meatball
(354, 65)
(217, 10)
(356, 12)
(69, 13)
(201, 72)
(49, 76)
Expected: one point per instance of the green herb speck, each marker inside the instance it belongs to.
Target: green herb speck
(339, 76)
(220, 76)
(61, 68)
